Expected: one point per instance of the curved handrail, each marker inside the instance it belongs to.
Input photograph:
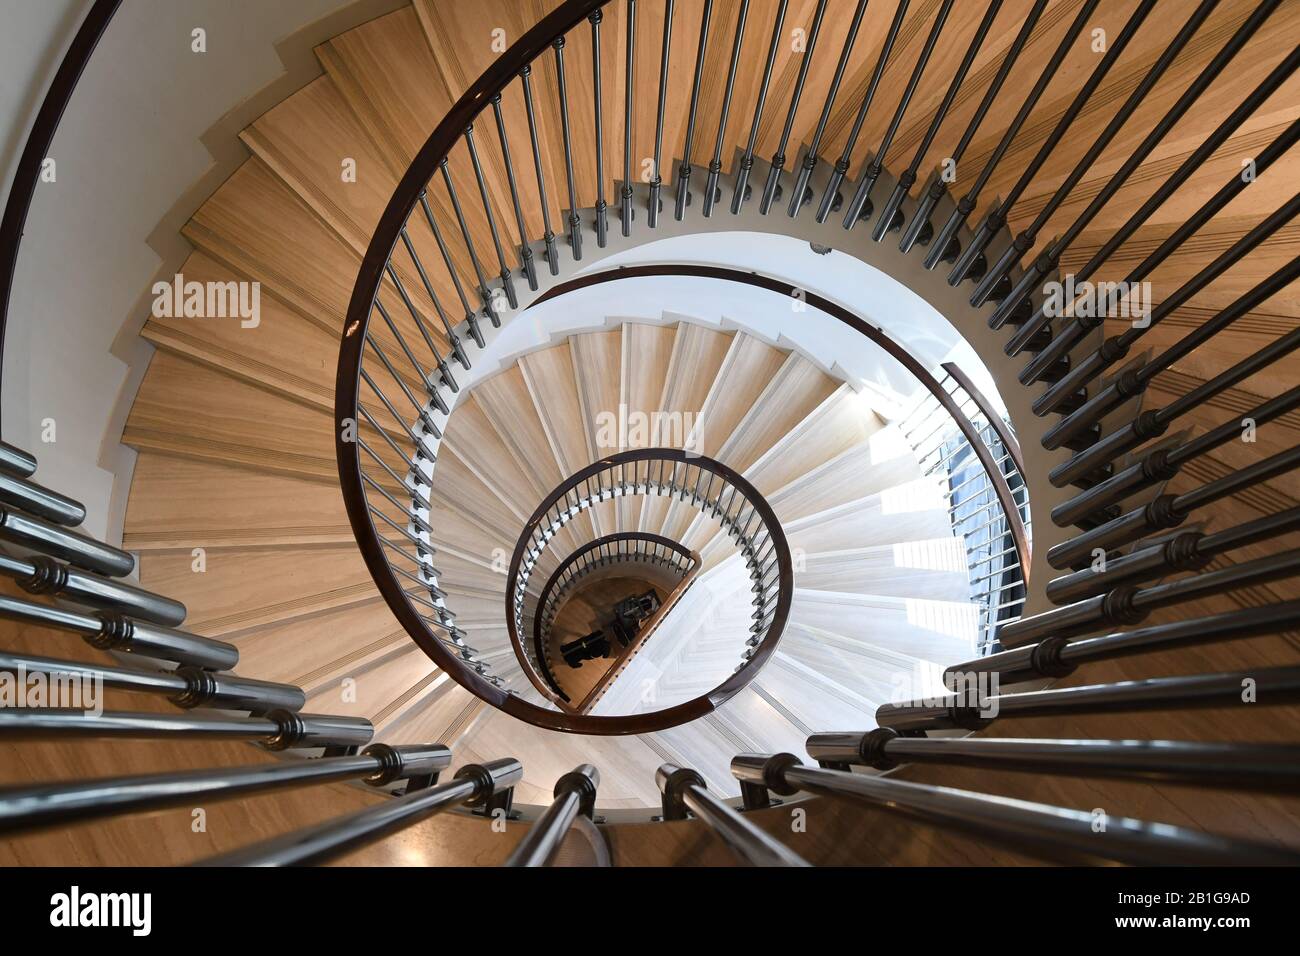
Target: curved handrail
(410, 192)
(348, 379)
(877, 335)
(28, 173)
(750, 498)
(1005, 434)
(574, 557)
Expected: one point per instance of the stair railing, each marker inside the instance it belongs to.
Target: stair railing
(1034, 829)
(411, 327)
(702, 484)
(993, 537)
(621, 549)
(83, 577)
(575, 795)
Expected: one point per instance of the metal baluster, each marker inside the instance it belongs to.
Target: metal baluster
(684, 790)
(474, 783)
(525, 249)
(657, 182)
(1023, 242)
(507, 281)
(966, 205)
(1152, 423)
(420, 409)
(773, 183)
(747, 160)
(1131, 385)
(1065, 339)
(485, 297)
(861, 195)
(908, 178)
(1116, 347)
(1169, 511)
(997, 216)
(684, 170)
(831, 196)
(415, 469)
(443, 369)
(801, 194)
(715, 165)
(938, 185)
(452, 338)
(1045, 263)
(562, 91)
(626, 210)
(430, 388)
(1164, 464)
(548, 235)
(602, 224)
(471, 319)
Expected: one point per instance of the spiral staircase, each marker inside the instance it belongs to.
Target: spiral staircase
(391, 502)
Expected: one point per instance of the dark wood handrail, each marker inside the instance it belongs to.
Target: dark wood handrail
(668, 716)
(877, 335)
(545, 596)
(1005, 434)
(409, 190)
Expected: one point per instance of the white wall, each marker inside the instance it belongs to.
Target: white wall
(150, 131)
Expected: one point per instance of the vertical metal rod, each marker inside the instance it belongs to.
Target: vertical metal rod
(1117, 347)
(938, 186)
(429, 385)
(801, 193)
(470, 317)
(657, 182)
(562, 90)
(419, 321)
(507, 281)
(841, 169)
(684, 170)
(1024, 241)
(997, 216)
(1098, 405)
(908, 178)
(1045, 264)
(602, 211)
(778, 158)
(525, 249)
(548, 235)
(626, 212)
(715, 165)
(966, 205)
(383, 357)
(452, 338)
(484, 296)
(747, 160)
(863, 193)
(421, 452)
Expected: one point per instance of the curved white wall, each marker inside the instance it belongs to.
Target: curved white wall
(150, 132)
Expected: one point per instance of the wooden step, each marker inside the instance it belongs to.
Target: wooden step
(243, 589)
(915, 569)
(185, 503)
(697, 355)
(316, 650)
